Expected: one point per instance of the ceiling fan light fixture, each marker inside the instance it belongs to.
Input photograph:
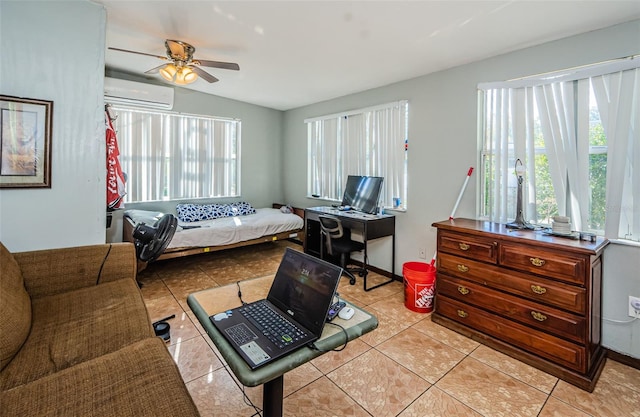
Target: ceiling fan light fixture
(185, 75)
(168, 72)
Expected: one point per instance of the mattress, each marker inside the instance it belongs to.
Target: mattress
(226, 230)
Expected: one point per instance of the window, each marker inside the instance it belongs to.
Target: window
(578, 137)
(169, 156)
(370, 141)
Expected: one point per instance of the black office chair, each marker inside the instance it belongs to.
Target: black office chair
(339, 244)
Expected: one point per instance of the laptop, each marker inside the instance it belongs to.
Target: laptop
(292, 315)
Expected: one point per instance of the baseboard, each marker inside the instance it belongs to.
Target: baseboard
(623, 359)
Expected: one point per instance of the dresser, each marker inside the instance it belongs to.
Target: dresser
(527, 294)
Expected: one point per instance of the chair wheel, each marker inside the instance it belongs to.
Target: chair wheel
(352, 281)
(362, 274)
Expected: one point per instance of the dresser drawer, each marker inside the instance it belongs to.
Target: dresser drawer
(467, 246)
(549, 319)
(558, 350)
(546, 263)
(556, 294)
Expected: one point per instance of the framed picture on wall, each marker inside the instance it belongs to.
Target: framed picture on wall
(25, 142)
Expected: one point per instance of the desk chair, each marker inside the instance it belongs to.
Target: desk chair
(338, 243)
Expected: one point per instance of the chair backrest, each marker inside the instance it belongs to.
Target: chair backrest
(331, 228)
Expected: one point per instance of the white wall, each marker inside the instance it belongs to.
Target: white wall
(443, 145)
(54, 50)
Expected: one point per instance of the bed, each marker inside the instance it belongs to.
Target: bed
(193, 237)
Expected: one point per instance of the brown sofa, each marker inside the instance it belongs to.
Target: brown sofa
(76, 339)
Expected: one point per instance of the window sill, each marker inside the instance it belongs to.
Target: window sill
(625, 242)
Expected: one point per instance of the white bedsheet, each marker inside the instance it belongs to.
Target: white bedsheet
(227, 230)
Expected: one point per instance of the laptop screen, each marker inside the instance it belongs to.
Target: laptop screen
(304, 287)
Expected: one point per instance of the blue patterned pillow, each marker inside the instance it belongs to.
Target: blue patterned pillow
(241, 208)
(214, 211)
(188, 212)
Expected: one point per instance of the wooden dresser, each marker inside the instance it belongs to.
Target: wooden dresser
(532, 296)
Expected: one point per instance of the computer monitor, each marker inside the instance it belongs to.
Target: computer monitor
(362, 193)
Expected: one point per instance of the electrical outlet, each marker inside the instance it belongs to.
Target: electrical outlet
(634, 306)
(422, 253)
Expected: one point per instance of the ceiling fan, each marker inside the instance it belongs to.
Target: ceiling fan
(183, 68)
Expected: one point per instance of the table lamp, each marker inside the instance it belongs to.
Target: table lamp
(519, 222)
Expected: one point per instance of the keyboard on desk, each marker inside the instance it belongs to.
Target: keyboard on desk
(275, 327)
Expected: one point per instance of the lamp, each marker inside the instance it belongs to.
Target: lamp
(519, 222)
(179, 74)
(168, 72)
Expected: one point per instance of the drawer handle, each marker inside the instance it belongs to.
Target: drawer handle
(462, 313)
(537, 261)
(463, 268)
(538, 289)
(464, 246)
(463, 290)
(538, 316)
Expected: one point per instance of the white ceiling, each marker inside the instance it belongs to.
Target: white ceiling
(294, 53)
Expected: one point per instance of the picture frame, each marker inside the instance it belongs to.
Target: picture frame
(25, 142)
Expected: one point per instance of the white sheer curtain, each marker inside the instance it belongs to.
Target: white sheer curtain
(323, 173)
(567, 144)
(618, 97)
(508, 134)
(366, 142)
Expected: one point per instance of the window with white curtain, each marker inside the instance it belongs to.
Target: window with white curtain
(578, 136)
(168, 156)
(371, 141)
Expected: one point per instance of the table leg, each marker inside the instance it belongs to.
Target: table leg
(272, 397)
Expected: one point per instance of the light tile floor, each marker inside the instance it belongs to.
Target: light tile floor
(407, 367)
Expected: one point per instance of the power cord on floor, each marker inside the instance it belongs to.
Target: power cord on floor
(240, 293)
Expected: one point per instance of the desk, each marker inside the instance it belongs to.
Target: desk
(212, 301)
(372, 226)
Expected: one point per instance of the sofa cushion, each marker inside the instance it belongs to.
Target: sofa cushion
(15, 308)
(138, 380)
(77, 326)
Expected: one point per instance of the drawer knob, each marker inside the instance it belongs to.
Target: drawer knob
(463, 290)
(464, 246)
(538, 316)
(462, 313)
(538, 289)
(463, 268)
(537, 261)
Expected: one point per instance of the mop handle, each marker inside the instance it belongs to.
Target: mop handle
(455, 207)
(464, 186)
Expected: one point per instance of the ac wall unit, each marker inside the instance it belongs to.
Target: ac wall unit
(132, 93)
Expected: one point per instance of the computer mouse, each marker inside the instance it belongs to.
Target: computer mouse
(346, 313)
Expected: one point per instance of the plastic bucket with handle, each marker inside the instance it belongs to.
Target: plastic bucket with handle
(419, 281)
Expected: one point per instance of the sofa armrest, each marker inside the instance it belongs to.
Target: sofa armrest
(54, 271)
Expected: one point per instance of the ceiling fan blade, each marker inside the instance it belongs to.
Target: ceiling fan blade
(155, 70)
(139, 53)
(205, 75)
(217, 64)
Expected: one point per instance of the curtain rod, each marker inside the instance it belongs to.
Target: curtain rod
(357, 111)
(568, 74)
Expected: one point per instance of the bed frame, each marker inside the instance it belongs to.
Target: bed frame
(297, 235)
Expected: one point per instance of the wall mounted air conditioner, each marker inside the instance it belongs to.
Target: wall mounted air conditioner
(132, 93)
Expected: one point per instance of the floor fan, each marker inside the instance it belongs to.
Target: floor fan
(151, 241)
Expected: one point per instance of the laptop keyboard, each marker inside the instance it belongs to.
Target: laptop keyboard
(275, 327)
(241, 334)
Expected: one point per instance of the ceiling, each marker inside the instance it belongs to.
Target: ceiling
(294, 53)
